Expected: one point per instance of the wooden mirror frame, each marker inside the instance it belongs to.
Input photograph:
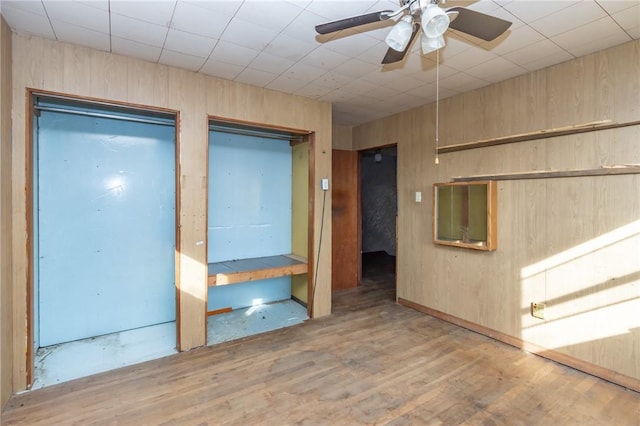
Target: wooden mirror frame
(471, 212)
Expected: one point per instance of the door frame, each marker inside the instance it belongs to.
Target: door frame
(31, 95)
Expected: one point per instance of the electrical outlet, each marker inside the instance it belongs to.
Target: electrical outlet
(537, 309)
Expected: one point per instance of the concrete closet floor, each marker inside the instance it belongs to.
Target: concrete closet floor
(67, 361)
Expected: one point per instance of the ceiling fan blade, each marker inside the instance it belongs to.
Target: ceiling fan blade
(478, 24)
(393, 55)
(354, 21)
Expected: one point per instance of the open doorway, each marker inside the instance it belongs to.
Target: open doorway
(379, 210)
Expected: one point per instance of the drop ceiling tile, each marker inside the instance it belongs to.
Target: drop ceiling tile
(189, 44)
(429, 73)
(487, 7)
(566, 19)
(191, 18)
(468, 58)
(275, 15)
(547, 60)
(350, 42)
(536, 52)
(312, 91)
(98, 4)
(354, 68)
(331, 81)
(334, 10)
(35, 7)
(305, 72)
(405, 83)
(248, 34)
(529, 11)
(373, 55)
(221, 69)
(151, 11)
(270, 63)
(287, 84)
(82, 36)
(591, 38)
(462, 82)
(180, 60)
(614, 6)
(224, 7)
(514, 40)
(27, 22)
(454, 46)
(496, 70)
(336, 96)
(628, 18)
(288, 47)
(135, 49)
(79, 14)
(324, 58)
(233, 54)
(302, 28)
(634, 33)
(255, 77)
(136, 30)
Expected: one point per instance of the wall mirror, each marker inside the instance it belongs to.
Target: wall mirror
(465, 214)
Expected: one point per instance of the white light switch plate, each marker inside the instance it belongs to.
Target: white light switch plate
(418, 197)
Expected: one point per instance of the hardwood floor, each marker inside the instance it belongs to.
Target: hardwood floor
(371, 362)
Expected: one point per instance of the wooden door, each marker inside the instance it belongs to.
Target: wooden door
(345, 240)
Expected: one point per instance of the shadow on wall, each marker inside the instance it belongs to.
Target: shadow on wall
(379, 198)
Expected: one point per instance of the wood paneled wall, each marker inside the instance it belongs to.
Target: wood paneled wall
(6, 305)
(573, 243)
(342, 137)
(58, 67)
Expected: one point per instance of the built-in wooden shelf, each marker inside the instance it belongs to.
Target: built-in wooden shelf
(538, 134)
(623, 169)
(257, 268)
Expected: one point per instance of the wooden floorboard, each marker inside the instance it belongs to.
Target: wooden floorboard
(371, 362)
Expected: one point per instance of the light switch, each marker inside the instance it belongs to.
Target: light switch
(418, 197)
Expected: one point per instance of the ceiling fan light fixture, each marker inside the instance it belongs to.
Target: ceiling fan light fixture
(430, 44)
(399, 36)
(434, 21)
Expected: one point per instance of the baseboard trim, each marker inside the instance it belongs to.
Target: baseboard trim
(578, 364)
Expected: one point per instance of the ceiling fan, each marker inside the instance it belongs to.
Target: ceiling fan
(425, 15)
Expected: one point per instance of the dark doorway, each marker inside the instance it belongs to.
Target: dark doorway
(379, 209)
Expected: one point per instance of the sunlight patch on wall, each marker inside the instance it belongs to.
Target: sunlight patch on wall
(591, 291)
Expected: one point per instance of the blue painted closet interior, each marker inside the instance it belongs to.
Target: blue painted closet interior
(104, 221)
(249, 212)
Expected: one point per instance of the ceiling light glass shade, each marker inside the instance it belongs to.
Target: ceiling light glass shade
(434, 21)
(399, 36)
(431, 44)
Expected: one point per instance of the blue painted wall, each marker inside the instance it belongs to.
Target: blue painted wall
(249, 212)
(106, 226)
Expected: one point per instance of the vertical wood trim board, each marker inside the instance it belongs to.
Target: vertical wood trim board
(51, 66)
(6, 256)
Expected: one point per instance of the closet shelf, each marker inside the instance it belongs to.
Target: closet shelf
(257, 268)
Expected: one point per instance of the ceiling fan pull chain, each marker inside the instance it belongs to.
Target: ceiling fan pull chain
(437, 161)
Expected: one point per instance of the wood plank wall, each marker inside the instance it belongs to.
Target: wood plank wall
(342, 137)
(59, 67)
(6, 305)
(572, 242)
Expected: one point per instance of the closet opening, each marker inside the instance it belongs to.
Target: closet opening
(102, 237)
(258, 229)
